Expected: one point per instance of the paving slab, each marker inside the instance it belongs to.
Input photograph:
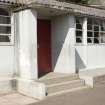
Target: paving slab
(16, 99)
(89, 96)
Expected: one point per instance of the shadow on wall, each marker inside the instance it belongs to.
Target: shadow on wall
(60, 41)
(79, 62)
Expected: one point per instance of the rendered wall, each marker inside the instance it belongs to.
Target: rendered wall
(6, 61)
(90, 57)
(63, 51)
(7, 65)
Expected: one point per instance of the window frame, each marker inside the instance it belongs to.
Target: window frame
(93, 31)
(76, 29)
(11, 35)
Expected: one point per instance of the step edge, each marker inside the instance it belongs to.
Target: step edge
(60, 88)
(48, 83)
(66, 91)
(75, 76)
(65, 82)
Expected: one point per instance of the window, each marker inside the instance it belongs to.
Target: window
(95, 31)
(79, 25)
(5, 26)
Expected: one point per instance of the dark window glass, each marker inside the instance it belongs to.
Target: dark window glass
(78, 26)
(96, 21)
(5, 30)
(5, 20)
(90, 34)
(89, 40)
(89, 21)
(96, 28)
(4, 38)
(96, 40)
(78, 40)
(4, 12)
(78, 33)
(89, 27)
(102, 36)
(96, 34)
(102, 28)
(77, 21)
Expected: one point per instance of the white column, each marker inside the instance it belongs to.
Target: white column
(85, 49)
(85, 31)
(28, 44)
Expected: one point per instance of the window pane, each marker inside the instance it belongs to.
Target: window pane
(90, 34)
(102, 28)
(89, 40)
(96, 28)
(102, 36)
(78, 33)
(5, 30)
(78, 40)
(96, 40)
(96, 34)
(79, 20)
(4, 38)
(89, 27)
(97, 22)
(78, 26)
(5, 20)
(4, 12)
(89, 21)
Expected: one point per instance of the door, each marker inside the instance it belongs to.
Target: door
(44, 46)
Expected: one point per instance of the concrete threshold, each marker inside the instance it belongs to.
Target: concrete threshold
(93, 77)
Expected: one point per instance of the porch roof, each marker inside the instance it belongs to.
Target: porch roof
(70, 7)
(7, 1)
(63, 6)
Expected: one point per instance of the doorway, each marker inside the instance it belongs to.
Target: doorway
(44, 46)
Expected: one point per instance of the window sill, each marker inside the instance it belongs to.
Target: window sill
(6, 44)
(101, 44)
(96, 44)
(80, 44)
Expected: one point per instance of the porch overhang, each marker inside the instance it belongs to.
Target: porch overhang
(10, 4)
(67, 7)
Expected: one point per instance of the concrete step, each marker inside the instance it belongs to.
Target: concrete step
(93, 77)
(64, 86)
(59, 79)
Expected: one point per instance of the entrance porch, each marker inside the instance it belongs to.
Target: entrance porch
(55, 42)
(46, 44)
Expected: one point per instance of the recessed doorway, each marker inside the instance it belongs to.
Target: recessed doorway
(44, 46)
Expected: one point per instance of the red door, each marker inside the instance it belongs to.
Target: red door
(44, 46)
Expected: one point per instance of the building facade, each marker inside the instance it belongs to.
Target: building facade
(48, 36)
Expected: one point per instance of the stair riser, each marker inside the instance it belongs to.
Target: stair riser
(59, 80)
(62, 87)
(100, 80)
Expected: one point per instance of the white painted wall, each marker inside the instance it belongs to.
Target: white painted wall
(63, 51)
(6, 61)
(28, 44)
(90, 57)
(7, 55)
